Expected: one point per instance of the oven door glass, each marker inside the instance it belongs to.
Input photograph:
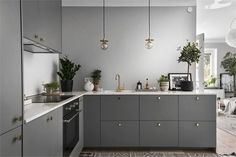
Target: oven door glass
(70, 132)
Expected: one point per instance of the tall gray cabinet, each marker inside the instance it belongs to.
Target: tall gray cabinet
(10, 78)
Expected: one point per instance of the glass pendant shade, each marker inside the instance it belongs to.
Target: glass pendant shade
(230, 38)
(149, 43)
(104, 44)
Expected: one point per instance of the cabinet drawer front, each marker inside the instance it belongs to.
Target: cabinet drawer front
(120, 133)
(197, 134)
(10, 143)
(202, 108)
(159, 133)
(158, 107)
(120, 107)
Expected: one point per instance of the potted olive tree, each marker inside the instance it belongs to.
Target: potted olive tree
(164, 83)
(229, 64)
(189, 54)
(96, 75)
(67, 72)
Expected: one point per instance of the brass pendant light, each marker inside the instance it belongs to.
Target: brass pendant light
(149, 41)
(104, 41)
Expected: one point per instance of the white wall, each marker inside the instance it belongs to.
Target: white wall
(127, 28)
(38, 69)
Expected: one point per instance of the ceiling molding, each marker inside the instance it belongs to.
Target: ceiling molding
(127, 3)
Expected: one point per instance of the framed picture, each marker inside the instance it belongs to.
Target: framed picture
(176, 78)
(227, 82)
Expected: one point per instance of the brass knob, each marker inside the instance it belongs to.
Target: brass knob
(118, 98)
(158, 124)
(197, 98)
(17, 119)
(17, 138)
(36, 36)
(76, 103)
(159, 98)
(42, 39)
(197, 124)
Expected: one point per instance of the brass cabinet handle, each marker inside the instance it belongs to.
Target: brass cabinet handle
(17, 138)
(119, 124)
(17, 119)
(158, 124)
(36, 36)
(49, 119)
(197, 98)
(159, 98)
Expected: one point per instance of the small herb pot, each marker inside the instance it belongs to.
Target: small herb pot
(164, 86)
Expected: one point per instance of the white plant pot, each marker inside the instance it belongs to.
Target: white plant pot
(89, 86)
(164, 86)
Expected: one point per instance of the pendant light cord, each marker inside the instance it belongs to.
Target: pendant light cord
(149, 17)
(104, 20)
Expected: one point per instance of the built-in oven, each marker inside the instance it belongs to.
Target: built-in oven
(71, 125)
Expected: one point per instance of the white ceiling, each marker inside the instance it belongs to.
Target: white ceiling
(214, 23)
(115, 3)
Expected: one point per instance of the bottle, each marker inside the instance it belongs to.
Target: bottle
(147, 85)
(139, 85)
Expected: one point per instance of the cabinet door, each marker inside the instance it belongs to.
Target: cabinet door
(11, 143)
(197, 134)
(159, 107)
(10, 66)
(31, 25)
(50, 23)
(92, 121)
(159, 133)
(202, 108)
(120, 133)
(43, 136)
(120, 107)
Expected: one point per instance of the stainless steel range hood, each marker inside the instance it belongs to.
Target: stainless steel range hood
(34, 47)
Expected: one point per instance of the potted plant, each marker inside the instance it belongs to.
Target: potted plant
(189, 54)
(50, 88)
(229, 64)
(96, 75)
(67, 72)
(164, 83)
(211, 82)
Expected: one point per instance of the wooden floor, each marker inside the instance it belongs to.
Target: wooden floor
(226, 142)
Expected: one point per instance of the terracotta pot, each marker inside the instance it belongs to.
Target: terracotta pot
(96, 87)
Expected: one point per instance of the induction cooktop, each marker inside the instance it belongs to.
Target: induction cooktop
(49, 99)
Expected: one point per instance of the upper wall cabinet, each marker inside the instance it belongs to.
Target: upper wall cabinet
(42, 22)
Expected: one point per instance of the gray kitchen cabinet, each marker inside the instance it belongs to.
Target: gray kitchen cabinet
(159, 133)
(120, 107)
(197, 107)
(159, 107)
(42, 22)
(11, 142)
(81, 124)
(44, 136)
(197, 134)
(120, 133)
(92, 121)
(10, 66)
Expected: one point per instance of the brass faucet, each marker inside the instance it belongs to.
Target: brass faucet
(119, 88)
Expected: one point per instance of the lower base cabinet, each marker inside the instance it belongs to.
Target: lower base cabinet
(44, 136)
(120, 133)
(159, 133)
(197, 134)
(11, 143)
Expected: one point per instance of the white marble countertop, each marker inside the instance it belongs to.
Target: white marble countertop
(36, 110)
